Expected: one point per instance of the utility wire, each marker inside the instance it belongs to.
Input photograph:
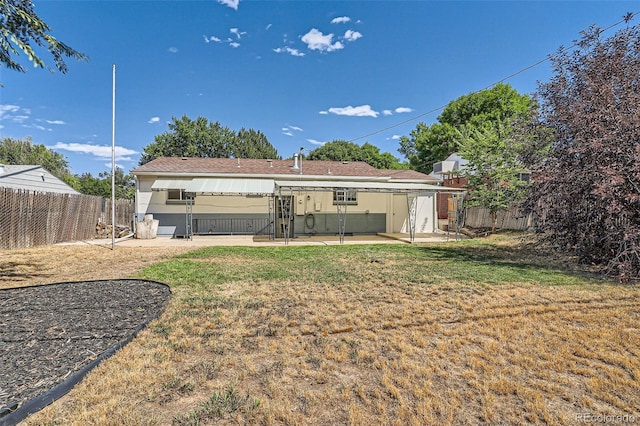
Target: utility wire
(628, 17)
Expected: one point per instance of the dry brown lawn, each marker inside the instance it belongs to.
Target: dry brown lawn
(373, 348)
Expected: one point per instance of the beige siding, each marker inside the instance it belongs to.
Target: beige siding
(316, 202)
(322, 202)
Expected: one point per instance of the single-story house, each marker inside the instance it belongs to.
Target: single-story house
(32, 178)
(283, 198)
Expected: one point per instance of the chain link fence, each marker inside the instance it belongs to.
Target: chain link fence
(29, 218)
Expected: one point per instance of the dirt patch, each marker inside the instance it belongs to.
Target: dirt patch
(58, 263)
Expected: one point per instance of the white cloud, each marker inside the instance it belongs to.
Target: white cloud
(211, 38)
(154, 120)
(118, 166)
(8, 109)
(234, 44)
(315, 142)
(54, 122)
(14, 113)
(341, 20)
(352, 35)
(315, 40)
(233, 4)
(400, 110)
(100, 151)
(289, 50)
(387, 112)
(396, 137)
(359, 111)
(288, 130)
(324, 112)
(237, 32)
(173, 49)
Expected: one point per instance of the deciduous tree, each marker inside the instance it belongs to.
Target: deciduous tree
(587, 186)
(202, 138)
(494, 169)
(340, 150)
(100, 186)
(20, 28)
(25, 152)
(429, 144)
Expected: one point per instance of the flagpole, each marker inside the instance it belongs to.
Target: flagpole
(113, 161)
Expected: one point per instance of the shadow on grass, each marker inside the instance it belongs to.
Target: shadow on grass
(509, 263)
(19, 271)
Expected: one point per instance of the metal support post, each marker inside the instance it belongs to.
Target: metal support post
(272, 217)
(341, 207)
(189, 196)
(285, 214)
(412, 207)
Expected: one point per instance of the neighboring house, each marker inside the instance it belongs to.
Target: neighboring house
(452, 166)
(32, 178)
(283, 198)
(451, 173)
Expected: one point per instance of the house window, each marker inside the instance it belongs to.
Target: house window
(345, 197)
(176, 196)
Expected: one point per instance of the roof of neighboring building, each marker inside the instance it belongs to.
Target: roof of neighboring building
(454, 163)
(32, 178)
(266, 167)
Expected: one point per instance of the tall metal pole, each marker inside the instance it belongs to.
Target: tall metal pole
(113, 161)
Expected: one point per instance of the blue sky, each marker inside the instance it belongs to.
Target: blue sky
(302, 72)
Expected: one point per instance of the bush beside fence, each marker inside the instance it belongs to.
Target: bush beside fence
(29, 218)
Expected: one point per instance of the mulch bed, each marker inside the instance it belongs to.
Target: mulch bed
(50, 333)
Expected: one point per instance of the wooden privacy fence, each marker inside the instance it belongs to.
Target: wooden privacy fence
(479, 217)
(125, 212)
(30, 218)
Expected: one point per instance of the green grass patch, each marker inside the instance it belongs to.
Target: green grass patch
(474, 261)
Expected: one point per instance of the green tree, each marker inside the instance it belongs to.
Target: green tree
(340, 150)
(100, 186)
(201, 138)
(25, 152)
(253, 144)
(494, 168)
(20, 27)
(426, 145)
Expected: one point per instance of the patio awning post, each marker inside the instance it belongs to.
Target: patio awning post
(412, 207)
(341, 207)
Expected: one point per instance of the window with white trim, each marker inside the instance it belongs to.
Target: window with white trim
(345, 197)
